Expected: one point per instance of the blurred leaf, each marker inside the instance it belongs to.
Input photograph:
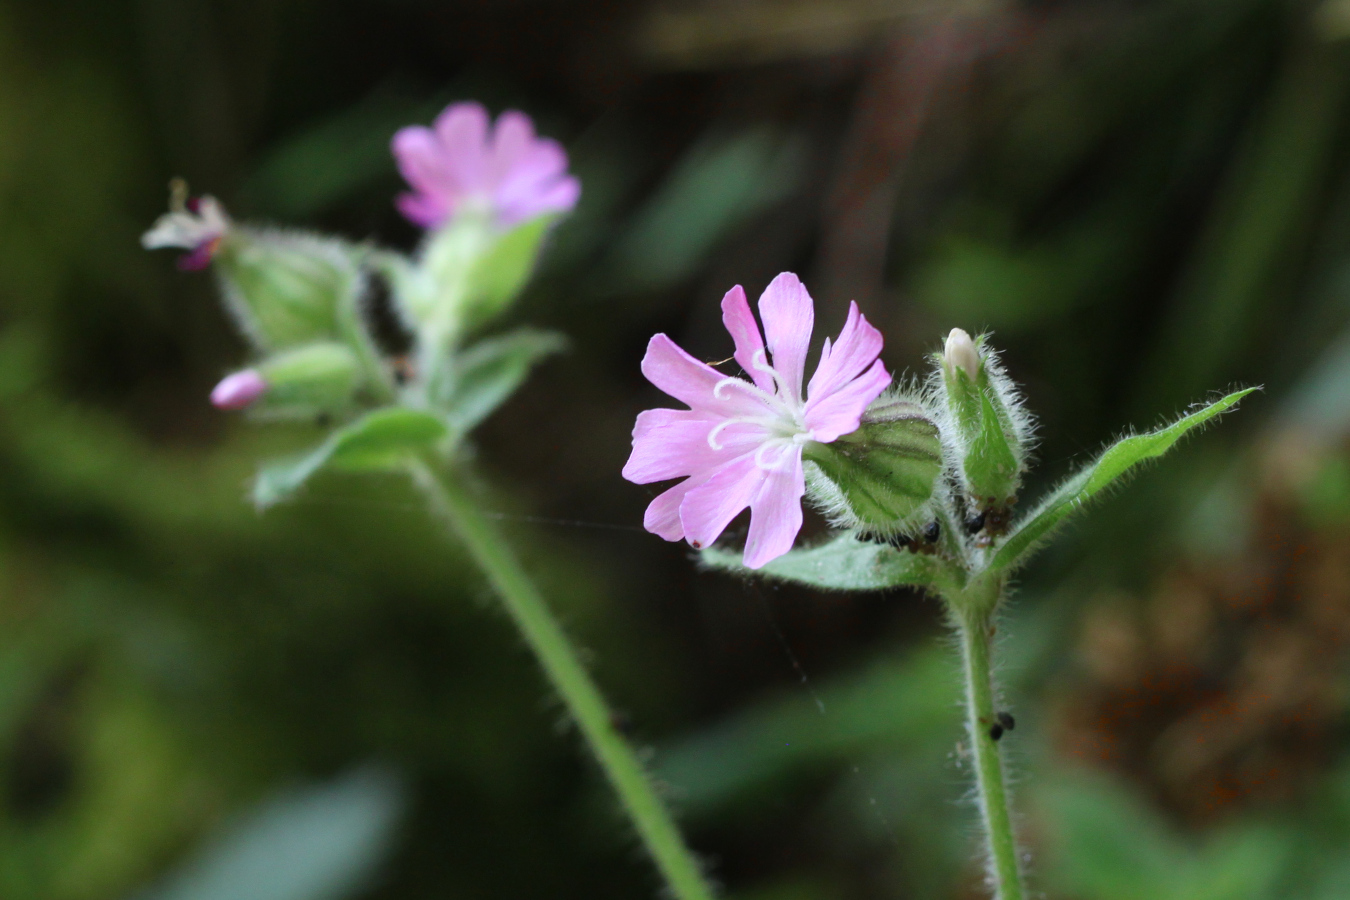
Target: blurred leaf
(1115, 462)
(318, 844)
(843, 563)
(1109, 846)
(381, 440)
(905, 705)
(719, 185)
(1260, 219)
(335, 157)
(490, 371)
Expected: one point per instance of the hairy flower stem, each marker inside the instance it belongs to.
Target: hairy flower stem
(451, 501)
(975, 623)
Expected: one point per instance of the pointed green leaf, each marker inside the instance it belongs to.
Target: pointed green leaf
(490, 371)
(381, 440)
(844, 564)
(1115, 462)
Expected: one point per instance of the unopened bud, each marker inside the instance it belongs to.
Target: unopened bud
(985, 429)
(315, 378)
(960, 353)
(239, 389)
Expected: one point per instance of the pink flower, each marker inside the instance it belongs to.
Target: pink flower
(740, 443)
(510, 174)
(238, 390)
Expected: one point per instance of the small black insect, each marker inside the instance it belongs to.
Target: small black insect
(975, 522)
(1006, 720)
(995, 731)
(931, 532)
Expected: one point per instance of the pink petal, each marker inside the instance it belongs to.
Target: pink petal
(693, 383)
(512, 142)
(673, 443)
(663, 514)
(788, 316)
(776, 512)
(559, 196)
(839, 413)
(858, 345)
(710, 507)
(426, 210)
(462, 129)
(740, 322)
(420, 159)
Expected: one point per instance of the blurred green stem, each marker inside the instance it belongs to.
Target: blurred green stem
(451, 500)
(975, 619)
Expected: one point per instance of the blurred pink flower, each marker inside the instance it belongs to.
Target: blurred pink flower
(464, 162)
(238, 390)
(740, 444)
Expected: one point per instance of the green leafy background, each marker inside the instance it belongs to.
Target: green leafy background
(1147, 204)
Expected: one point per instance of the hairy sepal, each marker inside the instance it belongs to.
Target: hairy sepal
(1115, 463)
(985, 428)
(289, 288)
(882, 477)
(845, 563)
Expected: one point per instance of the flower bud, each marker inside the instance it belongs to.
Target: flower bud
(287, 288)
(315, 378)
(985, 429)
(238, 390)
(882, 477)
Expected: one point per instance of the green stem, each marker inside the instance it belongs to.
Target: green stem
(975, 621)
(451, 500)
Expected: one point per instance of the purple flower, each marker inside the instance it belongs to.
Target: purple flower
(196, 224)
(740, 443)
(238, 390)
(462, 162)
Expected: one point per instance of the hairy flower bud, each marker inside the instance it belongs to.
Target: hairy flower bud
(288, 288)
(315, 378)
(985, 428)
(882, 477)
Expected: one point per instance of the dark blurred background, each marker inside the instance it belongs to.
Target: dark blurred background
(1144, 200)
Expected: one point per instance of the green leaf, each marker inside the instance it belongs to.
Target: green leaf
(490, 371)
(500, 273)
(844, 564)
(1114, 463)
(381, 440)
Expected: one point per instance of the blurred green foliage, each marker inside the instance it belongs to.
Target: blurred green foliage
(1144, 200)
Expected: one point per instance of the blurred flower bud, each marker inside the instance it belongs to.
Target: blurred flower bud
(238, 390)
(315, 378)
(288, 288)
(985, 427)
(882, 477)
